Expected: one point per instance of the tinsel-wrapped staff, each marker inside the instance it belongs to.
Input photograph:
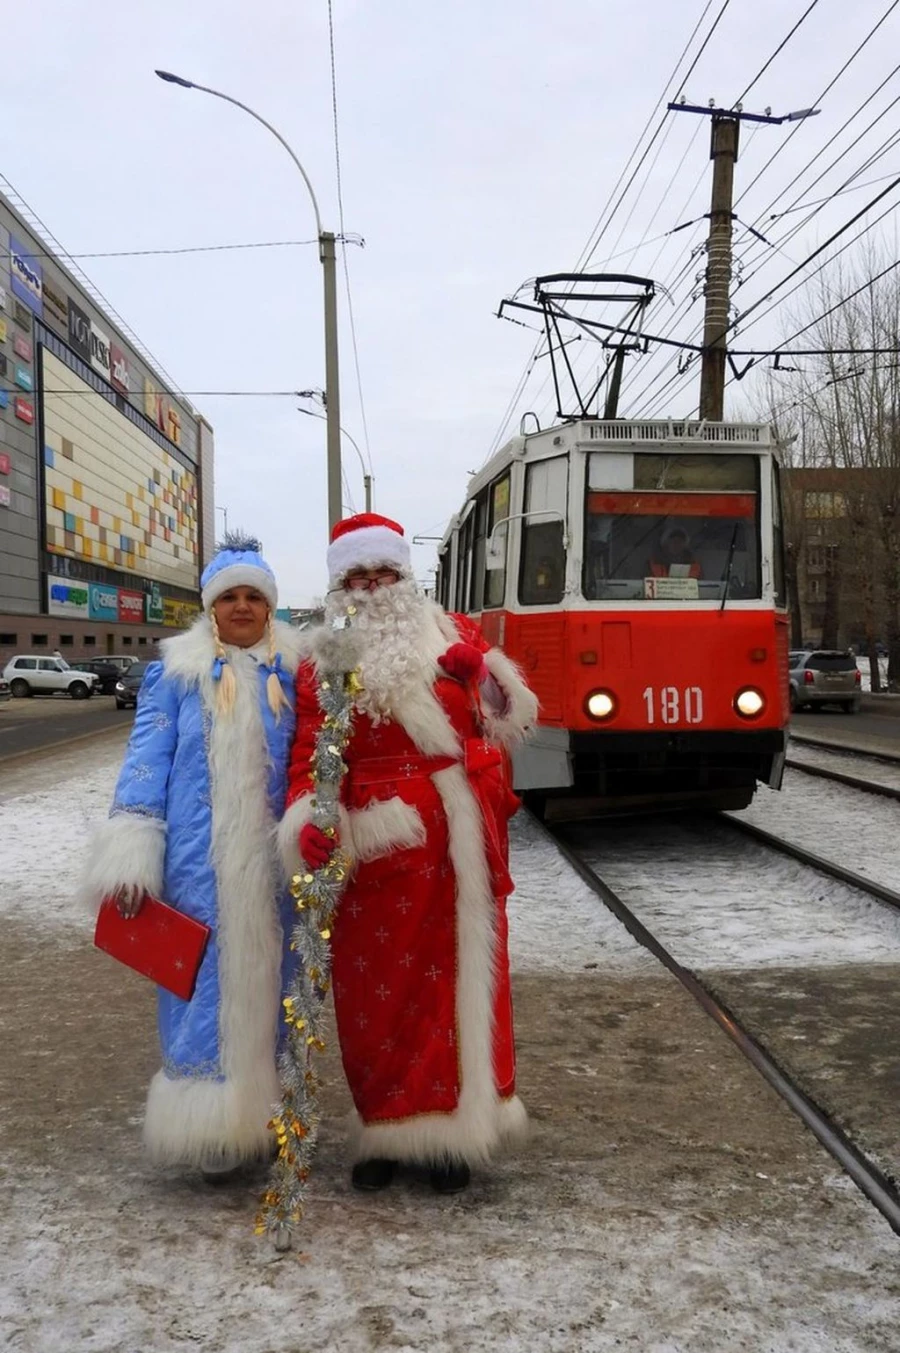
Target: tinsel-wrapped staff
(316, 894)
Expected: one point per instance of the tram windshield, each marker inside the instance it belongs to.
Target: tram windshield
(671, 527)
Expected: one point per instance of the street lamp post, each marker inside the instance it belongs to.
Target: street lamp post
(224, 512)
(328, 257)
(367, 478)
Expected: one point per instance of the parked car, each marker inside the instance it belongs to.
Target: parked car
(30, 674)
(5, 692)
(106, 672)
(121, 660)
(129, 684)
(824, 676)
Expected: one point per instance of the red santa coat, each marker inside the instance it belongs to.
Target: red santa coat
(419, 946)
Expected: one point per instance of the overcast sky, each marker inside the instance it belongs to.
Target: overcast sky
(480, 141)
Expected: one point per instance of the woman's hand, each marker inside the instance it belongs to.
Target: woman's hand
(462, 661)
(129, 899)
(315, 847)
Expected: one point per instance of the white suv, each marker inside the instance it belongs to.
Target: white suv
(29, 674)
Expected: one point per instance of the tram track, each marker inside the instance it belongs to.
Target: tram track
(839, 777)
(876, 1185)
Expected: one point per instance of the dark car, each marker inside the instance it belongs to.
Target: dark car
(129, 683)
(107, 673)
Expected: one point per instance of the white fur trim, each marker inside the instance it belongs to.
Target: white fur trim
(188, 1120)
(384, 826)
(520, 715)
(367, 547)
(207, 1123)
(190, 655)
(290, 826)
(481, 1121)
(125, 849)
(240, 575)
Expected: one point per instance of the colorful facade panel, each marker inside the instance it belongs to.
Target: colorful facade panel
(113, 495)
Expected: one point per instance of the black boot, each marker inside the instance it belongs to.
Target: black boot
(372, 1175)
(452, 1178)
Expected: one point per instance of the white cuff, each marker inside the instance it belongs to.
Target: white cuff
(127, 849)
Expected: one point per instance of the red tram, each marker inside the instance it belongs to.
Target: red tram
(634, 569)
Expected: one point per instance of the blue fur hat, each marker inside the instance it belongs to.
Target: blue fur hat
(238, 563)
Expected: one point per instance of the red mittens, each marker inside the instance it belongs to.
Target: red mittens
(462, 661)
(315, 847)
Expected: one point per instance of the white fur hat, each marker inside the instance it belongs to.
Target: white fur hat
(366, 541)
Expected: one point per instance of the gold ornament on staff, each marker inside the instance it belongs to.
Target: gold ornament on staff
(316, 894)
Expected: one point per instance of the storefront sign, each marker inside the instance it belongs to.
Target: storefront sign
(100, 351)
(4, 398)
(5, 465)
(24, 410)
(103, 602)
(3, 331)
(2, 298)
(67, 598)
(178, 614)
(79, 331)
(26, 275)
(22, 316)
(119, 374)
(5, 496)
(56, 305)
(3, 363)
(23, 378)
(22, 347)
(131, 607)
(154, 605)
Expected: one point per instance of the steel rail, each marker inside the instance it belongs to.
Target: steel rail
(836, 871)
(866, 786)
(891, 759)
(871, 1181)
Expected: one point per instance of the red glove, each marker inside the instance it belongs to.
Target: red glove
(462, 661)
(315, 847)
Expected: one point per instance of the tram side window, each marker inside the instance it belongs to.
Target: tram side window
(476, 582)
(443, 579)
(542, 576)
(498, 533)
(463, 563)
(778, 573)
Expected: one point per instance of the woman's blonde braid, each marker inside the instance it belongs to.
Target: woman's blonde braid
(274, 689)
(226, 689)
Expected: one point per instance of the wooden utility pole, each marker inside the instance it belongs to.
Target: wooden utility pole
(723, 153)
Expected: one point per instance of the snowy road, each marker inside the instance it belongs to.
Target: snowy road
(667, 1202)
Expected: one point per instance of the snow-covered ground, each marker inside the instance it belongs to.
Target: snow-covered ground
(866, 672)
(856, 830)
(846, 763)
(668, 1203)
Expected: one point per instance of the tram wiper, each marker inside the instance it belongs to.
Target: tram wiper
(726, 576)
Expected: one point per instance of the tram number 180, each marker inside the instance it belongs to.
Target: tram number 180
(668, 704)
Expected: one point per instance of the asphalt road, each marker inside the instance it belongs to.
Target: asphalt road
(877, 721)
(43, 721)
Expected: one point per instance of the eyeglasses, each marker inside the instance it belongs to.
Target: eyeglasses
(361, 583)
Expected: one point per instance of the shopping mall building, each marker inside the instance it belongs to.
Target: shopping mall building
(106, 471)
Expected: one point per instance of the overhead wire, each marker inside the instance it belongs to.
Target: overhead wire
(778, 50)
(340, 201)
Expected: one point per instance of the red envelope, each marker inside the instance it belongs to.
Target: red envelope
(160, 943)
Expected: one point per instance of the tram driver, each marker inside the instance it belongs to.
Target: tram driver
(674, 558)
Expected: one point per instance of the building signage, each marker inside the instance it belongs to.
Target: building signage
(4, 398)
(26, 275)
(5, 496)
(100, 351)
(2, 298)
(154, 605)
(103, 602)
(79, 331)
(131, 607)
(23, 378)
(56, 305)
(3, 330)
(119, 374)
(22, 347)
(3, 363)
(22, 316)
(67, 598)
(5, 465)
(178, 614)
(24, 410)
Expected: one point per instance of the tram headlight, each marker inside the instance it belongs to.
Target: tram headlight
(601, 705)
(749, 703)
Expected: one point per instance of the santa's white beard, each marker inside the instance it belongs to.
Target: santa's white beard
(399, 643)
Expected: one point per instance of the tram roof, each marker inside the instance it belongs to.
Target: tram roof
(631, 433)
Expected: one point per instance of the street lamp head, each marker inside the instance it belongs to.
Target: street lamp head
(174, 79)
